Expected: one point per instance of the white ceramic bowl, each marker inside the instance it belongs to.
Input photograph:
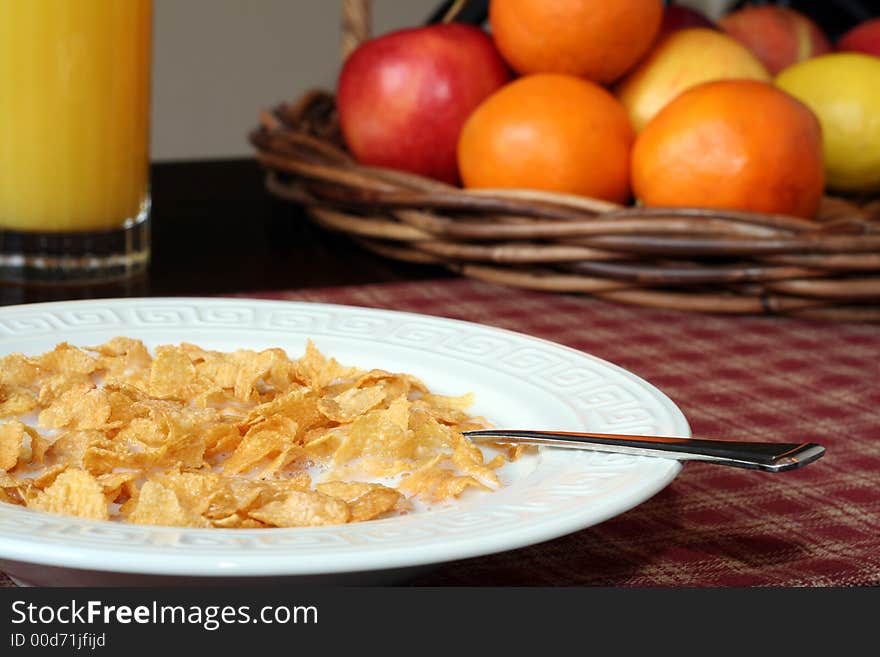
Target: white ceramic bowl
(519, 382)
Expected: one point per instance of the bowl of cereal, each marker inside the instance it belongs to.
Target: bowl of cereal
(204, 441)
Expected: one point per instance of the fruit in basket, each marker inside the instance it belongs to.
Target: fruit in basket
(403, 97)
(682, 60)
(779, 36)
(551, 132)
(596, 39)
(843, 89)
(864, 37)
(732, 144)
(679, 17)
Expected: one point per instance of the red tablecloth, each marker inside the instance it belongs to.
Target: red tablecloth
(733, 377)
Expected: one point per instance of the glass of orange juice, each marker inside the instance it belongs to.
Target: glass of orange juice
(74, 140)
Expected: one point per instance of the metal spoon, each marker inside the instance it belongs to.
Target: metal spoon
(753, 455)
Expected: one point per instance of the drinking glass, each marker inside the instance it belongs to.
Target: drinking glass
(74, 140)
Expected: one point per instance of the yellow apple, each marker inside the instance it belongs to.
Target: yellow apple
(843, 89)
(679, 61)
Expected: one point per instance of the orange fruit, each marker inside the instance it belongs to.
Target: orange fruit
(597, 39)
(549, 132)
(733, 144)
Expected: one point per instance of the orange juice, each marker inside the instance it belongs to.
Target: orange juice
(74, 113)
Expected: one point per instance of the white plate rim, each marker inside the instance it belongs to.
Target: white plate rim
(61, 543)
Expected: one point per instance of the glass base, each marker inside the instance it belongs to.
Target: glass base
(58, 259)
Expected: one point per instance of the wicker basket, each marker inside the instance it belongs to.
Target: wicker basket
(686, 259)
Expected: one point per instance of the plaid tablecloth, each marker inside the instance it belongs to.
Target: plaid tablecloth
(735, 377)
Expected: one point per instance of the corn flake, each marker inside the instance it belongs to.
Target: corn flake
(303, 509)
(74, 492)
(11, 441)
(16, 400)
(158, 504)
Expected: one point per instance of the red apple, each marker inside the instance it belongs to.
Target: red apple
(678, 17)
(779, 36)
(404, 97)
(864, 37)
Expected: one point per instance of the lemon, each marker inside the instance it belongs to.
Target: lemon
(843, 89)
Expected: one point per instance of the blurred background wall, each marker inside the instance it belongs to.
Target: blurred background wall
(217, 62)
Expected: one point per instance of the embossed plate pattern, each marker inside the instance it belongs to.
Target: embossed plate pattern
(519, 382)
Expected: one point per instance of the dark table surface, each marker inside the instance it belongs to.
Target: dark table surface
(216, 230)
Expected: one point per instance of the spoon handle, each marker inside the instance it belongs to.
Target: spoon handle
(766, 456)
